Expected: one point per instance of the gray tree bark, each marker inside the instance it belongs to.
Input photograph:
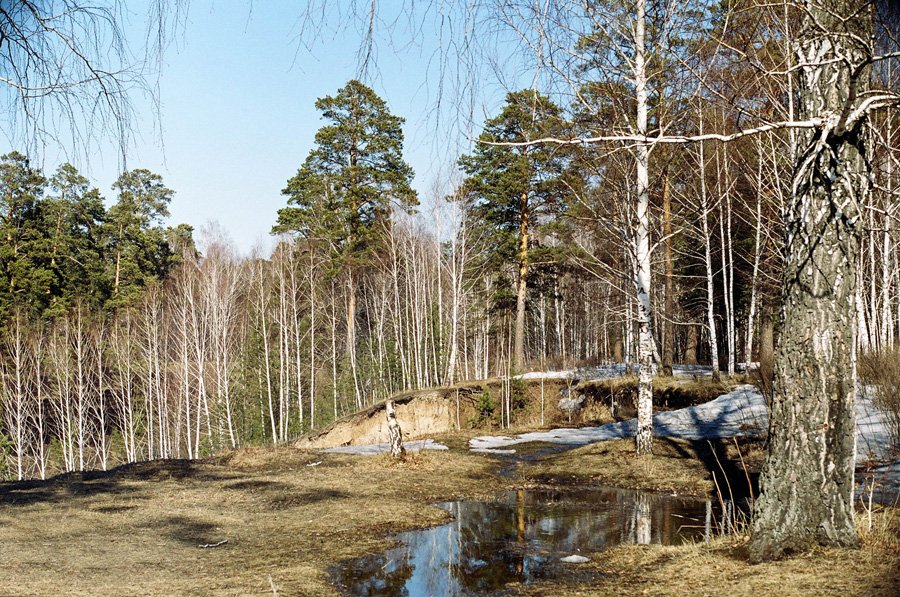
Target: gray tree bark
(807, 480)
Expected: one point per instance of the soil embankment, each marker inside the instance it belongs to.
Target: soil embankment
(438, 411)
(420, 413)
(480, 406)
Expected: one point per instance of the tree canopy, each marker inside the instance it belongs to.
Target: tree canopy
(354, 177)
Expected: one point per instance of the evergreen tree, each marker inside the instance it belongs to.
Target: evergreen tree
(26, 279)
(517, 189)
(348, 186)
(356, 173)
(73, 220)
(138, 247)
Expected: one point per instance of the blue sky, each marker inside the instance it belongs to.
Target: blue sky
(237, 115)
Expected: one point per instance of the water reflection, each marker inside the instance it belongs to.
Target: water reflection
(520, 537)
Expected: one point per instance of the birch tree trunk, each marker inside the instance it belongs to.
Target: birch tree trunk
(39, 412)
(394, 432)
(887, 271)
(644, 436)
(707, 241)
(757, 253)
(807, 480)
(668, 327)
(351, 335)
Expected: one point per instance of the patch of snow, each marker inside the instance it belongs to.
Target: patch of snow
(739, 413)
(570, 405)
(882, 480)
(575, 560)
(599, 372)
(873, 439)
(411, 446)
(602, 372)
(492, 451)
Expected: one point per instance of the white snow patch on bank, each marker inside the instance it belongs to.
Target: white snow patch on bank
(412, 446)
(882, 480)
(873, 439)
(602, 372)
(740, 413)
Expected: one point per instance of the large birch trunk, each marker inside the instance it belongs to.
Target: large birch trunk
(807, 480)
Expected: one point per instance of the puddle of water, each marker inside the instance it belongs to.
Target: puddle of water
(521, 537)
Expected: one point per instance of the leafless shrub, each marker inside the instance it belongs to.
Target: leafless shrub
(881, 370)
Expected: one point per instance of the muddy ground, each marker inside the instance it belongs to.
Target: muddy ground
(273, 521)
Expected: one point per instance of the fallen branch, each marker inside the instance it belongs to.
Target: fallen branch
(208, 545)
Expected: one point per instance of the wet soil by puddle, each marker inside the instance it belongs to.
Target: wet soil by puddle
(521, 537)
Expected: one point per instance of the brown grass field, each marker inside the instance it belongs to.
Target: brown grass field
(138, 530)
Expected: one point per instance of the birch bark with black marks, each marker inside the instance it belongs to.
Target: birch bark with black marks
(807, 481)
(707, 254)
(644, 435)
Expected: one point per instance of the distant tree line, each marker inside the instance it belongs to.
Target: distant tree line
(61, 246)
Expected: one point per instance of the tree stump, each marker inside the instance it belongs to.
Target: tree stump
(394, 433)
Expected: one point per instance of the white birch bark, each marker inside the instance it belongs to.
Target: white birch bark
(644, 436)
(707, 240)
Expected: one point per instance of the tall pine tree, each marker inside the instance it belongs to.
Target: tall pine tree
(26, 279)
(517, 189)
(348, 186)
(73, 220)
(138, 247)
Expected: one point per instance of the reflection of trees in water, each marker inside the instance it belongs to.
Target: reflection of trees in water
(384, 574)
(642, 519)
(521, 536)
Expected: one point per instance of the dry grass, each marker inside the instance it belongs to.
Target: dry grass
(137, 530)
(882, 370)
(720, 568)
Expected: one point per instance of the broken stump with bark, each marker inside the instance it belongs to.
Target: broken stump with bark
(394, 432)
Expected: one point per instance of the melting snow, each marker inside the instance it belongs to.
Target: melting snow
(611, 371)
(413, 446)
(575, 559)
(740, 413)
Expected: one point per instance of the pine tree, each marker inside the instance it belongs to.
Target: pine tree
(517, 189)
(139, 251)
(72, 220)
(26, 279)
(348, 186)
